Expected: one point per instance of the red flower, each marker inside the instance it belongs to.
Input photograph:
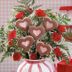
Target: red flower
(19, 15)
(16, 56)
(10, 43)
(40, 13)
(56, 36)
(12, 35)
(57, 51)
(61, 28)
(33, 56)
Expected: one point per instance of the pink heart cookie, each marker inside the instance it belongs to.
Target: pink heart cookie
(36, 32)
(43, 49)
(25, 42)
(49, 24)
(24, 24)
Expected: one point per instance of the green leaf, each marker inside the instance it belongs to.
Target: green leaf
(33, 1)
(53, 17)
(11, 27)
(12, 20)
(27, 13)
(1, 49)
(52, 56)
(27, 2)
(66, 58)
(26, 55)
(22, 1)
(62, 46)
(33, 48)
(6, 54)
(38, 55)
(35, 7)
(48, 10)
(2, 59)
(65, 22)
(19, 8)
(1, 30)
(66, 17)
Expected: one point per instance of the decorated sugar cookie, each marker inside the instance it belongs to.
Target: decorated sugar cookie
(25, 42)
(23, 24)
(36, 32)
(49, 24)
(43, 49)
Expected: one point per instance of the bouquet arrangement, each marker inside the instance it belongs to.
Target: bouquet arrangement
(34, 33)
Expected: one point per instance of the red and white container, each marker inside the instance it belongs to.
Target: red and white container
(36, 66)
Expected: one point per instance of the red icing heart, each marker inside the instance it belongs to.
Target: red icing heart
(36, 32)
(23, 24)
(25, 42)
(49, 24)
(43, 48)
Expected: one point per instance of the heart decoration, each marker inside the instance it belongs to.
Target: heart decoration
(24, 24)
(36, 32)
(49, 24)
(43, 48)
(25, 42)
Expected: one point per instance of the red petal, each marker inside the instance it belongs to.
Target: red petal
(19, 15)
(12, 35)
(16, 56)
(40, 13)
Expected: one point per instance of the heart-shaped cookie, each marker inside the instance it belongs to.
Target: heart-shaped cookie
(49, 24)
(36, 32)
(43, 49)
(25, 42)
(24, 24)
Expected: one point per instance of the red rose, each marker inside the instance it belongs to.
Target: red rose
(10, 43)
(61, 28)
(40, 13)
(12, 35)
(16, 56)
(33, 56)
(56, 36)
(19, 15)
(57, 51)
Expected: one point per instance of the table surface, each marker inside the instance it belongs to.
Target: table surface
(5, 10)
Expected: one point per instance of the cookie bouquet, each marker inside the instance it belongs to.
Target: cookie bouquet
(34, 33)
